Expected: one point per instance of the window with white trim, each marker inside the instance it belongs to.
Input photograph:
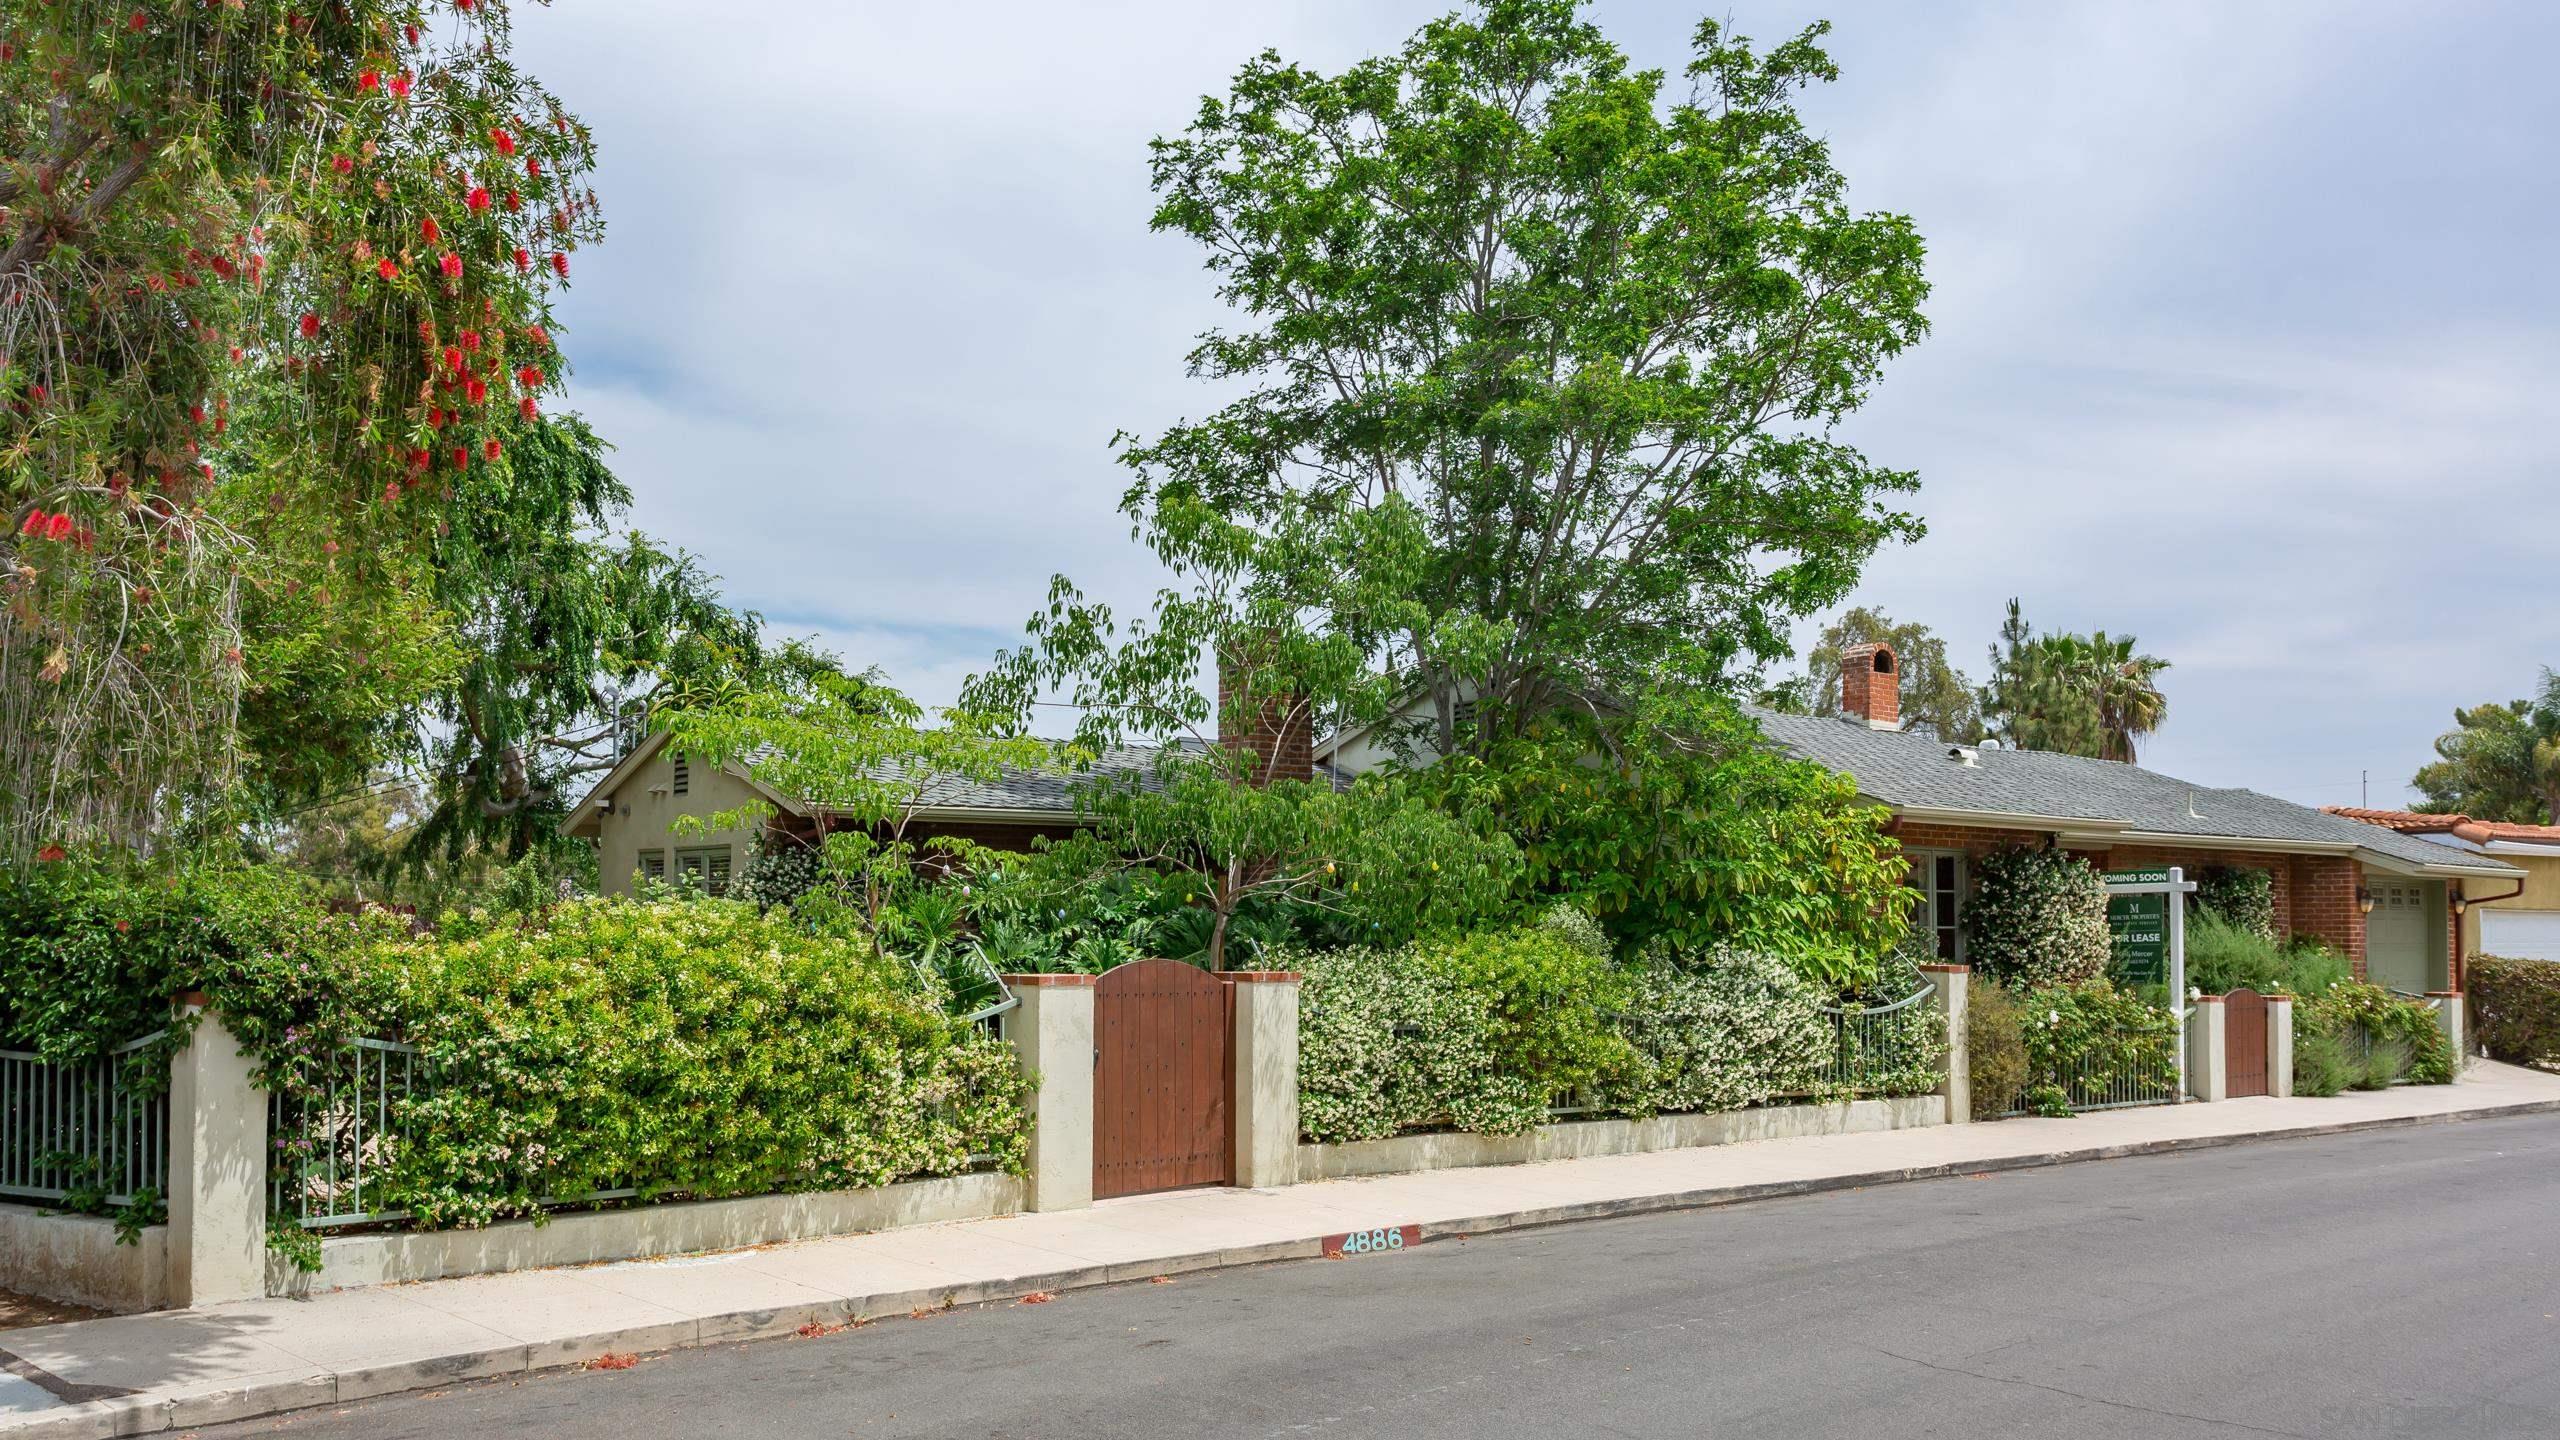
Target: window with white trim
(1939, 877)
(707, 867)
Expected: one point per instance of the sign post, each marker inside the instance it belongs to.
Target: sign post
(2147, 914)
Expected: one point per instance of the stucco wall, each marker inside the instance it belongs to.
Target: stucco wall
(646, 808)
(2541, 892)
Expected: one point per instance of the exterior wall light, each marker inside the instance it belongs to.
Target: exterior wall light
(2364, 900)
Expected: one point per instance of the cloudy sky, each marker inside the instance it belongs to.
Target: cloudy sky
(2245, 326)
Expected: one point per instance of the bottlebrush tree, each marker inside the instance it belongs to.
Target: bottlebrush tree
(275, 284)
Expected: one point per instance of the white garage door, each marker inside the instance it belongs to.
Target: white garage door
(2520, 934)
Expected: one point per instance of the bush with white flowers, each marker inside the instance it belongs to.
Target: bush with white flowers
(2037, 918)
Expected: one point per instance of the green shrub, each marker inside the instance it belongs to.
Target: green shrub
(1389, 1042)
(2223, 957)
(2083, 1039)
(2321, 1064)
(694, 1049)
(2515, 1009)
(2240, 896)
(1726, 1031)
(2380, 1067)
(1996, 1049)
(2037, 918)
(2365, 1018)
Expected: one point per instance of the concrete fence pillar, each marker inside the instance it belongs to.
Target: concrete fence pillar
(2280, 1046)
(1954, 984)
(1052, 1035)
(2208, 1055)
(2449, 1013)
(217, 1241)
(1266, 1076)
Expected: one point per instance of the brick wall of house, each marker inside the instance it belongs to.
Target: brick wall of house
(2324, 903)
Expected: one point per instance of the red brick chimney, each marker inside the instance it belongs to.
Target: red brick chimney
(1871, 685)
(1274, 731)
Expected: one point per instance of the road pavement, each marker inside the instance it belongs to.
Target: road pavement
(2392, 1283)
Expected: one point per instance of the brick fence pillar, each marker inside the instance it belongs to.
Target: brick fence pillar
(1953, 984)
(1266, 1076)
(1052, 1035)
(217, 1243)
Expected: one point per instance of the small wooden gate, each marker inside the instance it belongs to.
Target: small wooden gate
(2244, 1043)
(1161, 1079)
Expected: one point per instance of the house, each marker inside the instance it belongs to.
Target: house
(2388, 900)
(2523, 924)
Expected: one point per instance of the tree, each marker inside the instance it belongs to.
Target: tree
(2093, 695)
(269, 272)
(865, 758)
(2500, 762)
(1539, 378)
(1934, 692)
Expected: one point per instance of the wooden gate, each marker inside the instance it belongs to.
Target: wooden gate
(2244, 1043)
(1161, 1079)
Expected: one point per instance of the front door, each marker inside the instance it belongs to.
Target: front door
(2395, 936)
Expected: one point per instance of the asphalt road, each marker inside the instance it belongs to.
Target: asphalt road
(2393, 1283)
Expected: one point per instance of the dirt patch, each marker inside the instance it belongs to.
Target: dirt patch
(17, 1312)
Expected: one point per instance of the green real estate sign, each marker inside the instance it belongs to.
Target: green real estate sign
(2140, 924)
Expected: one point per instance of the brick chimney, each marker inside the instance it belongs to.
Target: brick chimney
(1275, 730)
(1871, 685)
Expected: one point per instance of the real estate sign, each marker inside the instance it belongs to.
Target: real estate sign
(2140, 923)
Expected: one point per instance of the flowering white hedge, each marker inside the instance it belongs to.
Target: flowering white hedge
(1731, 1031)
(2037, 918)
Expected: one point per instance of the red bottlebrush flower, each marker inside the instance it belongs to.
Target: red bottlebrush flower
(560, 262)
(530, 377)
(529, 410)
(34, 525)
(196, 413)
(58, 528)
(514, 201)
(52, 854)
(451, 265)
(343, 164)
(401, 82)
(524, 260)
(461, 457)
(462, 5)
(328, 547)
(453, 359)
(139, 23)
(471, 340)
(369, 80)
(410, 32)
(474, 391)
(221, 423)
(387, 270)
(478, 200)
(310, 326)
(207, 467)
(491, 448)
(429, 229)
(505, 142)
(533, 167)
(538, 336)
(390, 492)
(235, 354)
(420, 459)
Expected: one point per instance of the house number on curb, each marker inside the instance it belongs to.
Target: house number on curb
(1372, 1242)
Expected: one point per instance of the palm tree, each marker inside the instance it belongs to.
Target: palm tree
(2126, 688)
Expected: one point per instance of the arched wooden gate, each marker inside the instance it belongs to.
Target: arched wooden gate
(1162, 1075)
(2244, 1043)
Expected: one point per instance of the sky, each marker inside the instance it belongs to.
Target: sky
(2245, 330)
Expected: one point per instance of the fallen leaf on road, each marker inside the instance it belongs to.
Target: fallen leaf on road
(610, 1361)
(1039, 1297)
(1167, 1280)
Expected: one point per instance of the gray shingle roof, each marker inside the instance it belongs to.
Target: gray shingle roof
(1908, 769)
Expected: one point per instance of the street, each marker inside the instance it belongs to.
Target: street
(2392, 1283)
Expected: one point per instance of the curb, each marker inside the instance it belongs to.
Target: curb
(143, 1414)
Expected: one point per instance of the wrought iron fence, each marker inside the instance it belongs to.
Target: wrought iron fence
(83, 1130)
(331, 1138)
(1879, 1049)
(2098, 1081)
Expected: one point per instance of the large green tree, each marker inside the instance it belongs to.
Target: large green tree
(1934, 692)
(275, 284)
(1536, 373)
(2500, 762)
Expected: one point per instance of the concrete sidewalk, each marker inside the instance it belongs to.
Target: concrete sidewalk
(142, 1373)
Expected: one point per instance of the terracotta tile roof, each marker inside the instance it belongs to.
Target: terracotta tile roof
(2463, 827)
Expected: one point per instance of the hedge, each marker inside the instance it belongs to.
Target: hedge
(2515, 1009)
(2037, 918)
(2368, 1017)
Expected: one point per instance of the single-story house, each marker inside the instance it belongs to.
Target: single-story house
(2390, 901)
(2521, 925)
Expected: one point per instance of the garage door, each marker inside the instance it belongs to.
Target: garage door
(2520, 934)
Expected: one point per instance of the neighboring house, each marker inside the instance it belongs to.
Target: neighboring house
(2523, 924)
(2387, 900)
